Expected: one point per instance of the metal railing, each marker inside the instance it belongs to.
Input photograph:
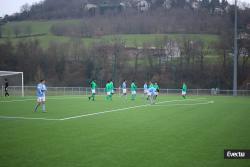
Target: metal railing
(67, 91)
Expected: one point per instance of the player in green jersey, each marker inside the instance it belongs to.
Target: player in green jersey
(107, 90)
(93, 90)
(111, 87)
(156, 86)
(133, 89)
(184, 90)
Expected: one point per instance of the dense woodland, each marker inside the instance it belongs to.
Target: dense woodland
(75, 64)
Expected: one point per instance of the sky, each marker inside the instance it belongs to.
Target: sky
(12, 6)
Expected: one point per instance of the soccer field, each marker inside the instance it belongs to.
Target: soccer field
(175, 132)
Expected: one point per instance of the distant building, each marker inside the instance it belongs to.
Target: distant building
(244, 35)
(167, 4)
(167, 53)
(243, 52)
(91, 9)
(143, 6)
(172, 49)
(218, 11)
(248, 26)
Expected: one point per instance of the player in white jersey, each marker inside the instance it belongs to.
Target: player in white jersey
(40, 92)
(145, 89)
(124, 88)
(152, 94)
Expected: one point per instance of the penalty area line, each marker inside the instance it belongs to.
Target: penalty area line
(127, 108)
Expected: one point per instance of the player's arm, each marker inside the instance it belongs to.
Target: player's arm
(40, 90)
(43, 88)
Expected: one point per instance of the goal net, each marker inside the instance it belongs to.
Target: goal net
(15, 79)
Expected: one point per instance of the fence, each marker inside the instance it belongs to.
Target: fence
(67, 91)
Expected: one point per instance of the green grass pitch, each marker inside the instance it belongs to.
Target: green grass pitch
(124, 133)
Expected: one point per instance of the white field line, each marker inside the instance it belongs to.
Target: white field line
(103, 112)
(192, 104)
(28, 118)
(50, 98)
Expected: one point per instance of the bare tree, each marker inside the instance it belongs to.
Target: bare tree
(28, 30)
(137, 52)
(25, 8)
(0, 31)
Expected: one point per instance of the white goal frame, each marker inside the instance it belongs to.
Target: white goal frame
(8, 73)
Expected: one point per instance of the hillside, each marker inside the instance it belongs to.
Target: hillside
(41, 30)
(169, 45)
(54, 9)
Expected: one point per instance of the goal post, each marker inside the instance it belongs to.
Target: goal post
(11, 73)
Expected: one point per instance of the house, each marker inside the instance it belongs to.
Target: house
(244, 35)
(167, 4)
(91, 9)
(143, 6)
(167, 53)
(248, 26)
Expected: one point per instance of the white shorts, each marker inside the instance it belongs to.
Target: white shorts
(183, 92)
(124, 91)
(133, 92)
(108, 93)
(41, 99)
(148, 93)
(145, 91)
(156, 93)
(93, 91)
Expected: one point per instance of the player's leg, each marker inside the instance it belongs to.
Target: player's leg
(108, 96)
(93, 94)
(43, 104)
(90, 96)
(145, 96)
(38, 104)
(36, 107)
(156, 95)
(133, 95)
(183, 93)
(124, 93)
(149, 94)
(6, 92)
